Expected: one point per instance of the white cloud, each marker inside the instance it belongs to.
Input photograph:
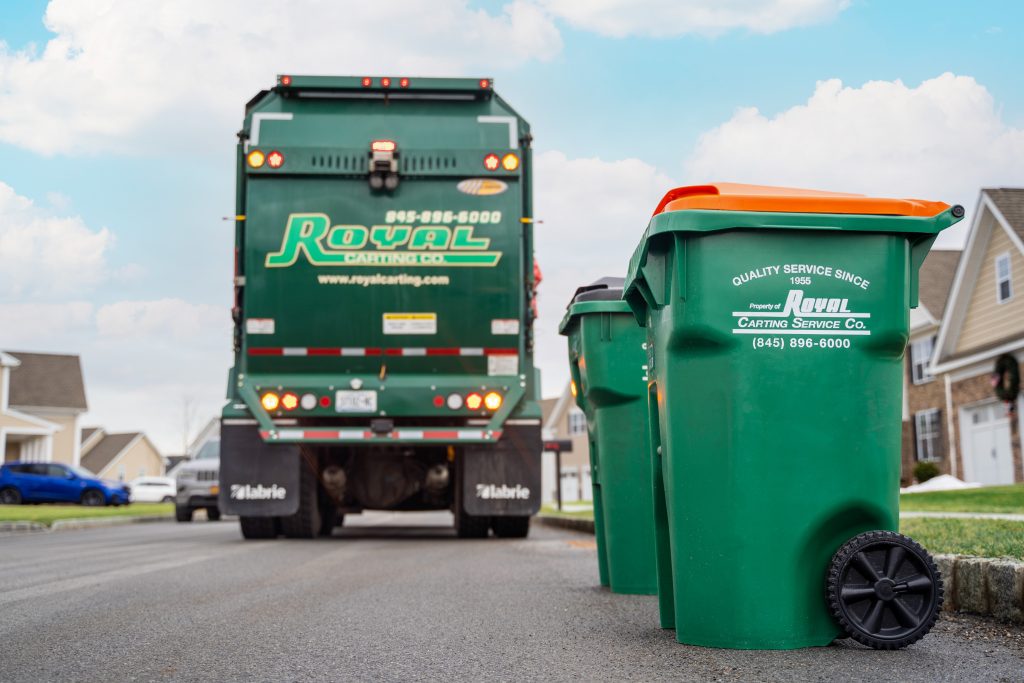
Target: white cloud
(142, 360)
(941, 140)
(665, 18)
(44, 255)
(594, 213)
(165, 319)
(134, 74)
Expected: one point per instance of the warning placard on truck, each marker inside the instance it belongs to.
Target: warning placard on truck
(410, 323)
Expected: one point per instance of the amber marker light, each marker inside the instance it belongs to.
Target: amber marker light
(572, 388)
(256, 158)
(492, 401)
(474, 401)
(270, 401)
(510, 162)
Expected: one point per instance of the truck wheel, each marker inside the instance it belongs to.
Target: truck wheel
(329, 519)
(213, 514)
(182, 514)
(511, 527)
(255, 528)
(884, 590)
(306, 522)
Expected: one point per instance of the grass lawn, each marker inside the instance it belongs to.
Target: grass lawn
(48, 514)
(986, 499)
(984, 537)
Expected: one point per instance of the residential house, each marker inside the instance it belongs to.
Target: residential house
(42, 398)
(563, 420)
(984, 320)
(924, 395)
(122, 456)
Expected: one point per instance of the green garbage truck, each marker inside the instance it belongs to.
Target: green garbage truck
(383, 312)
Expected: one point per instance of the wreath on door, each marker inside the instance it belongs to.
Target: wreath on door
(1006, 378)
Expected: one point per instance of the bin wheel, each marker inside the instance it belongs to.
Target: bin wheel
(884, 590)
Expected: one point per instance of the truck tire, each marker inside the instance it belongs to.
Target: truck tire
(182, 513)
(511, 527)
(307, 521)
(213, 514)
(256, 528)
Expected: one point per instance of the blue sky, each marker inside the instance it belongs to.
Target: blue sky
(153, 165)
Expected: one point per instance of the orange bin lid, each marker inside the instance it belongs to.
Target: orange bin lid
(739, 197)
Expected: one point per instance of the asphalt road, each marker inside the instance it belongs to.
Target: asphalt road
(379, 601)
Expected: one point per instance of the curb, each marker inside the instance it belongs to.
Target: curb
(7, 528)
(22, 528)
(981, 585)
(571, 523)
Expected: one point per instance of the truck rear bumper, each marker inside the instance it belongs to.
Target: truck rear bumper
(366, 436)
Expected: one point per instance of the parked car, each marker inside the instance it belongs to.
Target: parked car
(48, 482)
(198, 484)
(153, 490)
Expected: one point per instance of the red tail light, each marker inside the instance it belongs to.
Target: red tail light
(404, 82)
(275, 159)
(491, 162)
(385, 82)
(367, 82)
(485, 83)
(286, 80)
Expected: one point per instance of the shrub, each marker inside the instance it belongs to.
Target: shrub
(923, 471)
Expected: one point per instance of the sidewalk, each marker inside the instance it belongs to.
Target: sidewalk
(1011, 517)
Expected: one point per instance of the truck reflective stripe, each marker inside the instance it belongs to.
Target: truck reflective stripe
(396, 351)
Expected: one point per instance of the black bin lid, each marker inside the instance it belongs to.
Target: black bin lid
(604, 289)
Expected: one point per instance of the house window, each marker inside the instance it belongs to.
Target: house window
(928, 429)
(1004, 278)
(577, 422)
(920, 355)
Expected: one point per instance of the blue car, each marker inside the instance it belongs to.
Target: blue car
(48, 482)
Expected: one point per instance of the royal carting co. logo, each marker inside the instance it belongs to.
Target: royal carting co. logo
(258, 492)
(311, 235)
(502, 492)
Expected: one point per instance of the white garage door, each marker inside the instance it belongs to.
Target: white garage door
(986, 444)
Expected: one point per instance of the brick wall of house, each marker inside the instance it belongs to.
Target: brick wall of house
(975, 390)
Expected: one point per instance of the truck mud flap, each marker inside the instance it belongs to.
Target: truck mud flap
(503, 479)
(257, 479)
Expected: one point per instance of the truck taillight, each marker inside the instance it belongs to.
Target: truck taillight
(289, 401)
(404, 82)
(454, 401)
(491, 162)
(510, 162)
(383, 146)
(485, 83)
(367, 82)
(255, 158)
(270, 401)
(385, 82)
(474, 401)
(492, 401)
(275, 159)
(286, 80)
(308, 401)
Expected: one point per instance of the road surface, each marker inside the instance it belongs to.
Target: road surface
(391, 597)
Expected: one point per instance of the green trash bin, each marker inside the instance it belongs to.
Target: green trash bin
(609, 379)
(777, 323)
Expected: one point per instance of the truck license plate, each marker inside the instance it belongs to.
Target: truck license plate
(356, 402)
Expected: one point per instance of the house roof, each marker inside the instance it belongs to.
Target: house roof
(1010, 202)
(109, 447)
(998, 209)
(935, 279)
(87, 432)
(47, 380)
